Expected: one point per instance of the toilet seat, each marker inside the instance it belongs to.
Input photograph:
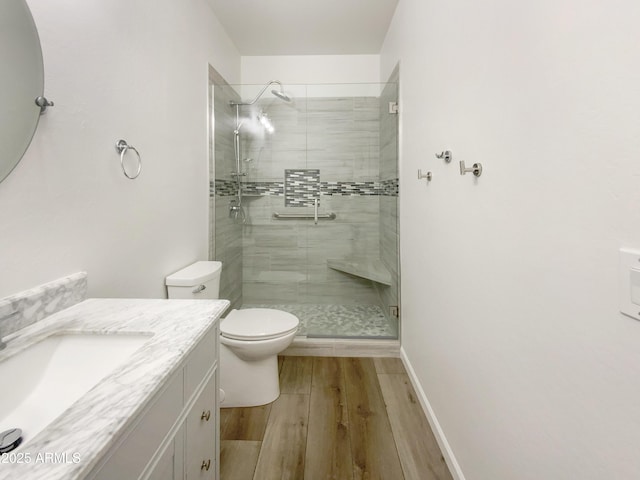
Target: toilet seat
(258, 324)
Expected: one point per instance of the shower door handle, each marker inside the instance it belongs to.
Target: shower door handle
(315, 211)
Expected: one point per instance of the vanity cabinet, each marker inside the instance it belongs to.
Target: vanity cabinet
(176, 436)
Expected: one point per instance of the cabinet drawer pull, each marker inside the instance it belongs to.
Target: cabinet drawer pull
(205, 465)
(206, 415)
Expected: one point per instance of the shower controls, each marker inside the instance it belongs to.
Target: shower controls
(446, 155)
(427, 175)
(476, 169)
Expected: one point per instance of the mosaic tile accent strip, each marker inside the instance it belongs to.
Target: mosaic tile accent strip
(339, 321)
(301, 187)
(224, 188)
(386, 188)
(274, 189)
(390, 188)
(350, 188)
(30, 306)
(229, 188)
(301, 192)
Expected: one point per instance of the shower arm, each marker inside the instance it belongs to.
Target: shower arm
(271, 82)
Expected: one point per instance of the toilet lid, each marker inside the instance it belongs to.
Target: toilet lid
(258, 324)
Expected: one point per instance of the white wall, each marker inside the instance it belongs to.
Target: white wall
(509, 288)
(311, 69)
(130, 69)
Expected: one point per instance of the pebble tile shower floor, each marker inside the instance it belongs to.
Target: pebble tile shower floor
(339, 321)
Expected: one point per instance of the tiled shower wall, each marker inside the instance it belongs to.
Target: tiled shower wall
(328, 148)
(226, 235)
(331, 146)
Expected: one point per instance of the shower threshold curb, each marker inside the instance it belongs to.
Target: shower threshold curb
(342, 347)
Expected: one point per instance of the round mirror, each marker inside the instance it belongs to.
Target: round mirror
(21, 82)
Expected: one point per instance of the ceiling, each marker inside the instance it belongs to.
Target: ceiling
(305, 27)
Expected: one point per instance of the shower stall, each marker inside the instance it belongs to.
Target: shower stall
(304, 199)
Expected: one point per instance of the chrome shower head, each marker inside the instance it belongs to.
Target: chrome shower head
(281, 95)
(278, 93)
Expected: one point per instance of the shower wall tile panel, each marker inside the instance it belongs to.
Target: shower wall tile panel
(226, 234)
(343, 137)
(336, 142)
(228, 250)
(285, 149)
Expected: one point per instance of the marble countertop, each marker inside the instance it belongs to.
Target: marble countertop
(85, 432)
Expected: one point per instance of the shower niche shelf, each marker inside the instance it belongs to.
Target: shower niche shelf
(369, 268)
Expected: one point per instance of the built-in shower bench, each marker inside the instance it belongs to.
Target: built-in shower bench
(369, 268)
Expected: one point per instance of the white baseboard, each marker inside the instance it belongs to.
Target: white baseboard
(447, 453)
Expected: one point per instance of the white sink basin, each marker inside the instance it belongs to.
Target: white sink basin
(42, 381)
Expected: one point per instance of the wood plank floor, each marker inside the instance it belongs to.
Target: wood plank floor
(335, 419)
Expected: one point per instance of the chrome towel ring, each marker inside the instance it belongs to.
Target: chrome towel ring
(121, 148)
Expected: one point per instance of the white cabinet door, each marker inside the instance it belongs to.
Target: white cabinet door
(133, 454)
(200, 448)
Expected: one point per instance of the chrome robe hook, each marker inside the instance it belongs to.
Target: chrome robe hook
(446, 155)
(476, 169)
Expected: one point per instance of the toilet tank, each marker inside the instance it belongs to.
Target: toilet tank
(200, 280)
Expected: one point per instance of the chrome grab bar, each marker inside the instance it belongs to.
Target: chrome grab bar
(304, 216)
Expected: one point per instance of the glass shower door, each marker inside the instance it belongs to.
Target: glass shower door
(338, 273)
(346, 276)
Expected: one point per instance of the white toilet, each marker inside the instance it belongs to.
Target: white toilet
(250, 339)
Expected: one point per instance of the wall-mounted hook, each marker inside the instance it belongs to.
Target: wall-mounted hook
(476, 169)
(427, 175)
(446, 155)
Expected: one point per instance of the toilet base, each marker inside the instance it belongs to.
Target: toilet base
(248, 383)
